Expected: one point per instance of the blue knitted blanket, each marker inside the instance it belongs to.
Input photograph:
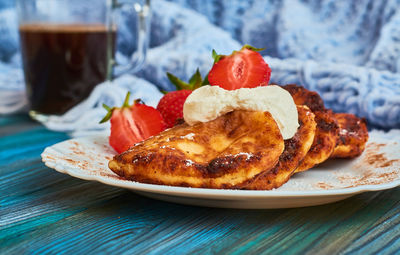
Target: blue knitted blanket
(348, 51)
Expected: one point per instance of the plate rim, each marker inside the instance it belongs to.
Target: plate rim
(202, 192)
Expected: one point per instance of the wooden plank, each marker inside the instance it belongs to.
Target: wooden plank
(27, 145)
(42, 211)
(13, 123)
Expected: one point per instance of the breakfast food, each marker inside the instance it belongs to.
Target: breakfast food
(240, 133)
(326, 131)
(171, 104)
(241, 149)
(352, 137)
(295, 150)
(132, 123)
(324, 140)
(220, 153)
(209, 102)
(245, 68)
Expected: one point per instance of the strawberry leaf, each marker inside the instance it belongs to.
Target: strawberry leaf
(246, 46)
(108, 115)
(205, 81)
(196, 80)
(179, 84)
(215, 56)
(108, 108)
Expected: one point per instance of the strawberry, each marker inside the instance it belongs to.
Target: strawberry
(242, 69)
(171, 104)
(132, 124)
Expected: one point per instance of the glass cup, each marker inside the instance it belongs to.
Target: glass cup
(68, 48)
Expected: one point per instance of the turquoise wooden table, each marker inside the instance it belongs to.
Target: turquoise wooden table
(43, 211)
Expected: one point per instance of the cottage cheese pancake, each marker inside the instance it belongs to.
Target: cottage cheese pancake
(296, 149)
(220, 153)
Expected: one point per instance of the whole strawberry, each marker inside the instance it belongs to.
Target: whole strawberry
(171, 104)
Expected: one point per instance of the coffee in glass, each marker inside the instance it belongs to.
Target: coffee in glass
(68, 48)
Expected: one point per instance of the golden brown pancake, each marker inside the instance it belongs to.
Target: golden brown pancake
(353, 135)
(303, 96)
(327, 128)
(295, 150)
(217, 154)
(324, 141)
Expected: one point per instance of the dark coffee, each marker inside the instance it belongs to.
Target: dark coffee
(63, 63)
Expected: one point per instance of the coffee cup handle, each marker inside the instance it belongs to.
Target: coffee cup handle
(137, 59)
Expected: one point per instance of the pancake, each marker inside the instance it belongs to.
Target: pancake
(217, 154)
(324, 141)
(327, 128)
(303, 96)
(295, 150)
(352, 137)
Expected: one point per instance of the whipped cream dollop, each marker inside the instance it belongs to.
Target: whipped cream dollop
(209, 102)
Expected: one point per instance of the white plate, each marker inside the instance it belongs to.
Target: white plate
(378, 168)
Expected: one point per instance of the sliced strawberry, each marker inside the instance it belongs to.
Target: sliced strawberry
(171, 106)
(242, 69)
(132, 124)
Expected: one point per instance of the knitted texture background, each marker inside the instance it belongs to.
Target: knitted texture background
(348, 51)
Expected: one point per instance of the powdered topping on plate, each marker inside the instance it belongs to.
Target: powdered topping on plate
(72, 156)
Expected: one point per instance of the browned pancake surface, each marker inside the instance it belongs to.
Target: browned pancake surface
(217, 154)
(303, 96)
(295, 150)
(327, 128)
(324, 141)
(352, 137)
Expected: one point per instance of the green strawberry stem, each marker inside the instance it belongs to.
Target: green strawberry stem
(126, 101)
(217, 57)
(111, 109)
